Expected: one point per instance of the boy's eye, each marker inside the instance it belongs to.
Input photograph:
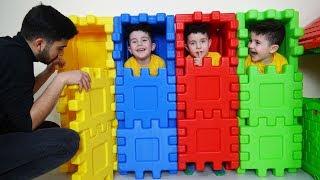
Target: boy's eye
(134, 41)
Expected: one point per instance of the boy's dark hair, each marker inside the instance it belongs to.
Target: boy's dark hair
(273, 29)
(203, 28)
(139, 27)
(48, 23)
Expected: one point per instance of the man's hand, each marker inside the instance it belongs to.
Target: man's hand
(76, 77)
(52, 67)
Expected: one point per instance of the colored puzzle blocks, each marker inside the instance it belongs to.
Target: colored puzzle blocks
(270, 103)
(91, 114)
(208, 96)
(95, 122)
(311, 137)
(146, 105)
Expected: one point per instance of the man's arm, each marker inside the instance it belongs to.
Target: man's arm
(45, 103)
(45, 74)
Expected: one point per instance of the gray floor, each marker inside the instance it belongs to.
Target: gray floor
(300, 175)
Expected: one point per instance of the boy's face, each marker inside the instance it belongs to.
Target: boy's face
(140, 45)
(198, 45)
(260, 48)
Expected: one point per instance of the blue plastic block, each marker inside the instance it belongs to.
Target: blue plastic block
(145, 98)
(153, 149)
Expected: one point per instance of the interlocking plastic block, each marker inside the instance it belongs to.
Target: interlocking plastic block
(223, 28)
(311, 137)
(311, 38)
(290, 47)
(147, 149)
(93, 46)
(266, 147)
(162, 33)
(96, 124)
(212, 140)
(146, 98)
(271, 96)
(207, 88)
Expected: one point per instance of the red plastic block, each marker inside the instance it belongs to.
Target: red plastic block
(223, 31)
(207, 88)
(203, 141)
(311, 38)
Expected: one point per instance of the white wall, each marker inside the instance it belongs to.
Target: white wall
(13, 11)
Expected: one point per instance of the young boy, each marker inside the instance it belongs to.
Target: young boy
(266, 37)
(141, 47)
(198, 42)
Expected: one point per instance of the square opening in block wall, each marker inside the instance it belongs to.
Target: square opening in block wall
(158, 37)
(145, 98)
(217, 34)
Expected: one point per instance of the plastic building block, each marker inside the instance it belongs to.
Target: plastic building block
(276, 147)
(223, 32)
(271, 96)
(311, 137)
(207, 96)
(93, 46)
(311, 38)
(207, 88)
(96, 124)
(290, 47)
(153, 149)
(213, 140)
(146, 98)
(162, 33)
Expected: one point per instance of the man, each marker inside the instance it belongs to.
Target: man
(29, 145)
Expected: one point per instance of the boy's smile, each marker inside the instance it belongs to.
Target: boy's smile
(260, 48)
(140, 46)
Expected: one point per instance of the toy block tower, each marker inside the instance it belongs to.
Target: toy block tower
(270, 103)
(145, 104)
(207, 96)
(92, 113)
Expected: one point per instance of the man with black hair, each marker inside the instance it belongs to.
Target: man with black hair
(31, 146)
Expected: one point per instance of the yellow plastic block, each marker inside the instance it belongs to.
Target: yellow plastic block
(95, 121)
(93, 45)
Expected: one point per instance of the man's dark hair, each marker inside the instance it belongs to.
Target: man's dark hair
(48, 23)
(272, 29)
(203, 28)
(139, 27)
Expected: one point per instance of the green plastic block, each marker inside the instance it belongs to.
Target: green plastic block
(290, 47)
(270, 147)
(275, 97)
(311, 136)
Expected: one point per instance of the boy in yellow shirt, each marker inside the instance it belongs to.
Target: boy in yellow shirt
(266, 38)
(198, 42)
(141, 47)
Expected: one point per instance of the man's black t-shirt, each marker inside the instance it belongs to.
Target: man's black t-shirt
(16, 84)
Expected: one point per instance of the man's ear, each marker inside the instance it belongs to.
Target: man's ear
(39, 44)
(153, 46)
(209, 42)
(274, 48)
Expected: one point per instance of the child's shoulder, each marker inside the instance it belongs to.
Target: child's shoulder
(279, 57)
(214, 54)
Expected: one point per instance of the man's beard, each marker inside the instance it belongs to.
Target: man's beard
(43, 56)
